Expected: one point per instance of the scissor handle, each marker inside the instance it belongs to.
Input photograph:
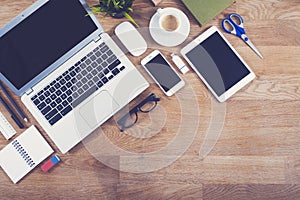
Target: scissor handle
(239, 17)
(237, 27)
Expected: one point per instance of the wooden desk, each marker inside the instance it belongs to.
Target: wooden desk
(258, 153)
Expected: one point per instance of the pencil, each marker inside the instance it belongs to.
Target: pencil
(13, 103)
(12, 114)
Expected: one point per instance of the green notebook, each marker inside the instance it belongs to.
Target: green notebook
(205, 10)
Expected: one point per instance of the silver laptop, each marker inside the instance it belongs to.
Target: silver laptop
(70, 75)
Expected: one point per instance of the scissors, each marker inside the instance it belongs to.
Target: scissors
(236, 23)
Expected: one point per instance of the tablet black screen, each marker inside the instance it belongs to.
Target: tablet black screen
(217, 63)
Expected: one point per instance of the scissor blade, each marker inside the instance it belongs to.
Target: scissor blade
(253, 48)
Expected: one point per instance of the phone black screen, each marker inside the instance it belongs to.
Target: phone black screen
(162, 72)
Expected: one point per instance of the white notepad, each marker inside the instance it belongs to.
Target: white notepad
(24, 153)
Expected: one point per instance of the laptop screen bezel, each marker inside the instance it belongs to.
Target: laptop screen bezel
(26, 13)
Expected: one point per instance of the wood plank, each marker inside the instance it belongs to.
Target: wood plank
(251, 191)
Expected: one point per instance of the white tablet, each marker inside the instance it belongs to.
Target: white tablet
(218, 64)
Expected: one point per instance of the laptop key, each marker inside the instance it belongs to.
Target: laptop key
(89, 76)
(83, 59)
(109, 52)
(52, 89)
(114, 64)
(122, 68)
(104, 64)
(69, 84)
(79, 84)
(57, 85)
(55, 119)
(97, 53)
(63, 88)
(70, 99)
(88, 61)
(99, 68)
(93, 57)
(111, 59)
(105, 71)
(63, 96)
(58, 100)
(47, 101)
(89, 68)
(115, 71)
(94, 64)
(100, 75)
(99, 60)
(62, 81)
(90, 83)
(80, 91)
(104, 57)
(99, 84)
(84, 80)
(34, 97)
(66, 110)
(58, 92)
(95, 79)
(41, 106)
(53, 96)
(58, 78)
(46, 110)
(85, 87)
(59, 107)
(84, 72)
(110, 77)
(36, 102)
(85, 95)
(104, 80)
(40, 92)
(53, 104)
(42, 97)
(103, 49)
(47, 93)
(53, 82)
(96, 49)
(75, 95)
(68, 78)
(51, 114)
(65, 103)
(69, 92)
(83, 65)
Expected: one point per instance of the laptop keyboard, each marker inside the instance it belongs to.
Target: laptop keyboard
(77, 83)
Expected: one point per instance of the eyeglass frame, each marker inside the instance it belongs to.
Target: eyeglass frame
(136, 109)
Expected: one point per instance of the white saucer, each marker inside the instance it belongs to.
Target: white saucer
(169, 39)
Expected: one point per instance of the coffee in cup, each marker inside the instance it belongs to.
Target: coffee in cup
(169, 21)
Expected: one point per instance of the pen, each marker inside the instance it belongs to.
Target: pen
(13, 116)
(13, 103)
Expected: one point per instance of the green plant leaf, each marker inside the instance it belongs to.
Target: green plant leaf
(130, 19)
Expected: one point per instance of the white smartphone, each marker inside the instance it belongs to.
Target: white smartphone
(162, 73)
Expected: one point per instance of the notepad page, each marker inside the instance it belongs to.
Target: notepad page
(11, 163)
(24, 153)
(35, 145)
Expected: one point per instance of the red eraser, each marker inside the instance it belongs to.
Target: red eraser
(50, 163)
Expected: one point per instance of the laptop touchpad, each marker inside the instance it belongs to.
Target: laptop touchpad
(98, 109)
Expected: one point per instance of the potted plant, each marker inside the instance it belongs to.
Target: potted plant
(115, 8)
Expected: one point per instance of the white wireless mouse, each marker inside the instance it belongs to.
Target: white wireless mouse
(131, 38)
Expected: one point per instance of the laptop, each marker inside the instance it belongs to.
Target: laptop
(69, 73)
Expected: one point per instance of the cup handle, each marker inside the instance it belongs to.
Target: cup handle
(159, 11)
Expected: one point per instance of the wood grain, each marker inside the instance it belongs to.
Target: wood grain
(257, 155)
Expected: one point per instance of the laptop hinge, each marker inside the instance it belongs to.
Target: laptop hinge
(29, 91)
(97, 38)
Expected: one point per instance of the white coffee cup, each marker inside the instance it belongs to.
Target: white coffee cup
(169, 21)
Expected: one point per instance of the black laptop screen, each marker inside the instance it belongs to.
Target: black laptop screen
(42, 38)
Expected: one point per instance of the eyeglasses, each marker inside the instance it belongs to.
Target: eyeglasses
(131, 118)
